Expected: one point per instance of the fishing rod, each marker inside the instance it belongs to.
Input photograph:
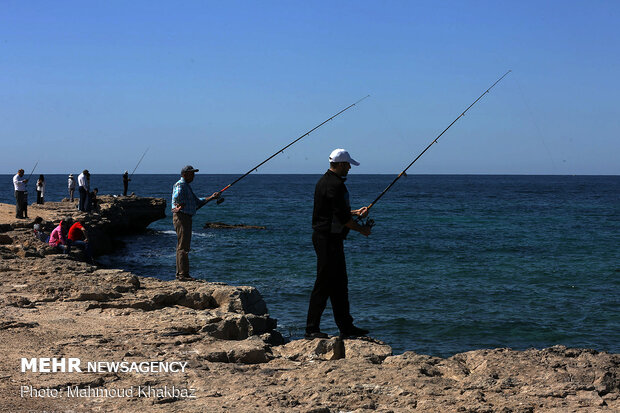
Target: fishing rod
(370, 222)
(221, 199)
(134, 169)
(31, 172)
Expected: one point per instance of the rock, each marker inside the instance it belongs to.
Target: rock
(5, 239)
(367, 348)
(239, 299)
(251, 351)
(53, 304)
(305, 350)
(5, 325)
(17, 301)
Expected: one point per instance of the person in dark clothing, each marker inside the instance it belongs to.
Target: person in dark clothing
(93, 202)
(331, 222)
(125, 182)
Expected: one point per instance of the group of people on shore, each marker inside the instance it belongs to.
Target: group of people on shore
(87, 201)
(66, 235)
(332, 219)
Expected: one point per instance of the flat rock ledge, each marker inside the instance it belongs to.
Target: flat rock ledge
(53, 305)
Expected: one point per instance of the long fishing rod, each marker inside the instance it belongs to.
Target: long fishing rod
(403, 173)
(134, 169)
(31, 172)
(221, 199)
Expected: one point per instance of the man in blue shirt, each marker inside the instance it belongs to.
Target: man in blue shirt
(184, 205)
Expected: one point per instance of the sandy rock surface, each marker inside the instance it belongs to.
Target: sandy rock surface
(53, 305)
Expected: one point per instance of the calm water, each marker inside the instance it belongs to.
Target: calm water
(454, 263)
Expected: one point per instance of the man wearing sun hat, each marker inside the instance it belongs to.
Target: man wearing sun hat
(71, 186)
(332, 218)
(184, 206)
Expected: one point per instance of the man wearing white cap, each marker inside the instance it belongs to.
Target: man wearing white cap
(184, 206)
(331, 221)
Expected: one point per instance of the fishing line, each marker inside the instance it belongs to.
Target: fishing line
(221, 199)
(540, 135)
(370, 222)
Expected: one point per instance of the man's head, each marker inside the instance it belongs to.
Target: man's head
(188, 173)
(340, 162)
(20, 172)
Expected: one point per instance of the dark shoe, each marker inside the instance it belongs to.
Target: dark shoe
(184, 278)
(315, 334)
(353, 332)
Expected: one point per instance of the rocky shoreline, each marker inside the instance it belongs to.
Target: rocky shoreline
(58, 306)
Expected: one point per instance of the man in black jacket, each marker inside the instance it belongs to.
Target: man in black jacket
(331, 221)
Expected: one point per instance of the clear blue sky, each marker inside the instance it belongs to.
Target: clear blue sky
(223, 84)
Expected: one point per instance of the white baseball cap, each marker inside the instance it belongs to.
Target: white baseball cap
(341, 155)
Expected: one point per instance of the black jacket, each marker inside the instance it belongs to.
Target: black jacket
(332, 209)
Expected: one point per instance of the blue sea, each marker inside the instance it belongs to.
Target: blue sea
(454, 263)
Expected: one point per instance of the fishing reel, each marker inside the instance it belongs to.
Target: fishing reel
(219, 200)
(368, 222)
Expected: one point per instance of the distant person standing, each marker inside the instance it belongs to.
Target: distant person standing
(184, 205)
(84, 188)
(21, 195)
(71, 186)
(331, 222)
(41, 190)
(125, 182)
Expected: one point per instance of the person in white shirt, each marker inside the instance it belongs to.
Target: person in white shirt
(41, 190)
(71, 186)
(84, 188)
(21, 195)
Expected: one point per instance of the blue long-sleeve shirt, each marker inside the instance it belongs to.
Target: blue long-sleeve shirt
(182, 194)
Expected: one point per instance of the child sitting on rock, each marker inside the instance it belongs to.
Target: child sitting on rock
(58, 237)
(92, 198)
(38, 230)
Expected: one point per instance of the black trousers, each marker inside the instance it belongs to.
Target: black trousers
(21, 204)
(83, 205)
(39, 198)
(331, 282)
(125, 186)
